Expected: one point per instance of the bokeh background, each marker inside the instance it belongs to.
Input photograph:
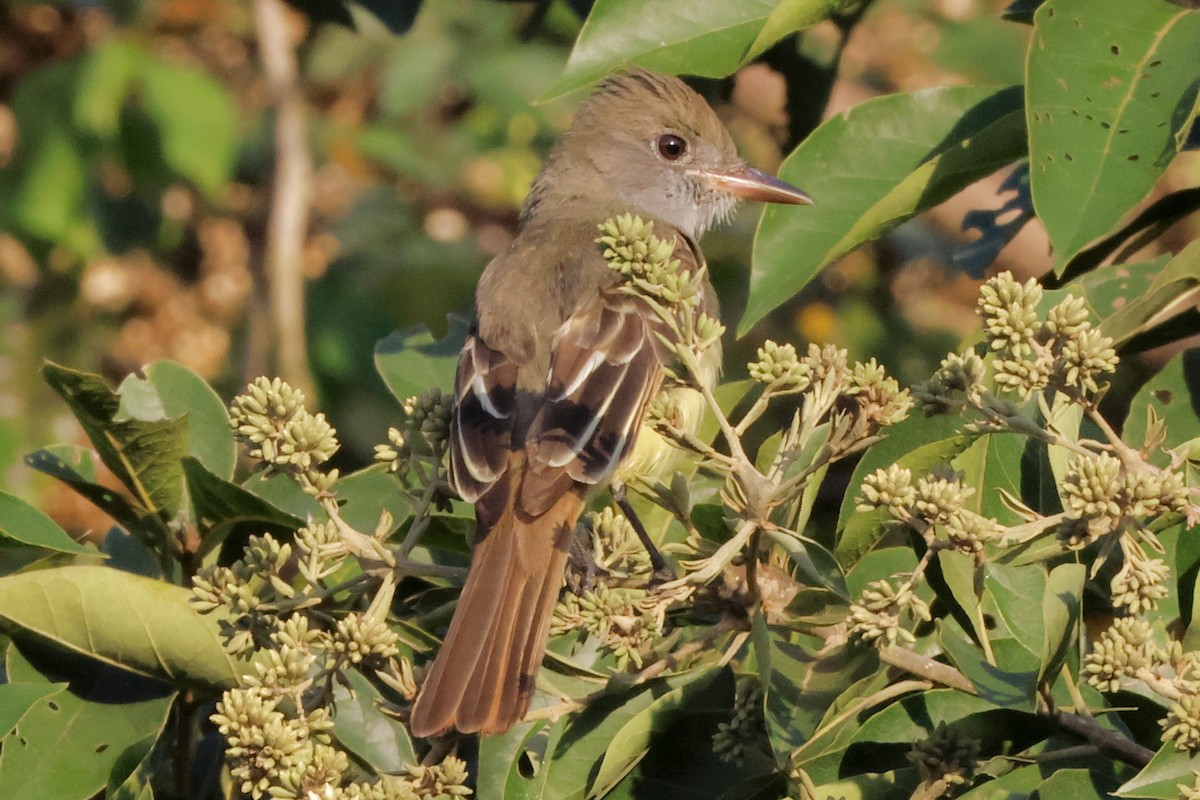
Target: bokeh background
(142, 143)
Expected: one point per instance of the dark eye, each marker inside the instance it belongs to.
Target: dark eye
(671, 147)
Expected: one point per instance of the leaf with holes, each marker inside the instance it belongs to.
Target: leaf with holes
(1173, 397)
(1175, 288)
(66, 744)
(1110, 91)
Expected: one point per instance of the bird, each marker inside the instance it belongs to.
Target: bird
(558, 370)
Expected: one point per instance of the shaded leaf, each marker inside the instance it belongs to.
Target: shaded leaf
(1061, 602)
(1109, 95)
(378, 740)
(1175, 288)
(197, 122)
(411, 361)
(221, 507)
(1009, 683)
(61, 461)
(65, 746)
(870, 169)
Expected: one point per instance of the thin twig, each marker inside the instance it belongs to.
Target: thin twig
(288, 222)
(1110, 743)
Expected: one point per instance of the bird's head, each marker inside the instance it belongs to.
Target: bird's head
(663, 151)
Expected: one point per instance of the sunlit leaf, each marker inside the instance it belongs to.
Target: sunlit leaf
(21, 522)
(870, 169)
(1109, 95)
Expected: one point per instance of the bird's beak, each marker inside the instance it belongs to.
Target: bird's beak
(751, 184)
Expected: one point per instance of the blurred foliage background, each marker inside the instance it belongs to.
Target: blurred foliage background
(137, 171)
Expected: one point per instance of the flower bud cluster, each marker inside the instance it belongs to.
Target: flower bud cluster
(283, 434)
(1122, 650)
(746, 731)
(631, 249)
(875, 616)
(1102, 495)
(779, 367)
(1064, 351)
(616, 546)
(424, 436)
(881, 401)
(947, 756)
(622, 620)
(956, 385)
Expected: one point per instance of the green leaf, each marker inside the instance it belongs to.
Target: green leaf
(1060, 615)
(1173, 397)
(1009, 683)
(61, 461)
(135, 623)
(105, 79)
(222, 507)
(23, 523)
(791, 16)
(1011, 588)
(144, 455)
(197, 121)
(799, 686)
(696, 37)
(411, 361)
(957, 572)
(378, 740)
(992, 464)
(570, 771)
(17, 698)
(1158, 779)
(1077, 784)
(1109, 94)
(635, 738)
(65, 746)
(1175, 288)
(171, 390)
(870, 169)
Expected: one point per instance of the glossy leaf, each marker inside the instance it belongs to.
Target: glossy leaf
(22, 523)
(1109, 95)
(694, 37)
(135, 623)
(870, 169)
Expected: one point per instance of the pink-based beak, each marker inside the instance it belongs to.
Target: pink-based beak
(751, 184)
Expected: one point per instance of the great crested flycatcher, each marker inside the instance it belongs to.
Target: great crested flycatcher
(555, 378)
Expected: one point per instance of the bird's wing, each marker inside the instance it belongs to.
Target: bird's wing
(485, 393)
(605, 367)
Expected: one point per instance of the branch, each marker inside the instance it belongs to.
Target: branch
(1110, 743)
(287, 224)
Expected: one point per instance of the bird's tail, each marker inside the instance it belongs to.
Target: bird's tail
(482, 678)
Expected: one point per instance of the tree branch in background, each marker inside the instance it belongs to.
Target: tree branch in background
(288, 221)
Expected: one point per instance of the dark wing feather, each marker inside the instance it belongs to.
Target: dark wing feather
(603, 372)
(485, 390)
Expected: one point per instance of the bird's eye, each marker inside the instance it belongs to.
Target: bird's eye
(671, 147)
